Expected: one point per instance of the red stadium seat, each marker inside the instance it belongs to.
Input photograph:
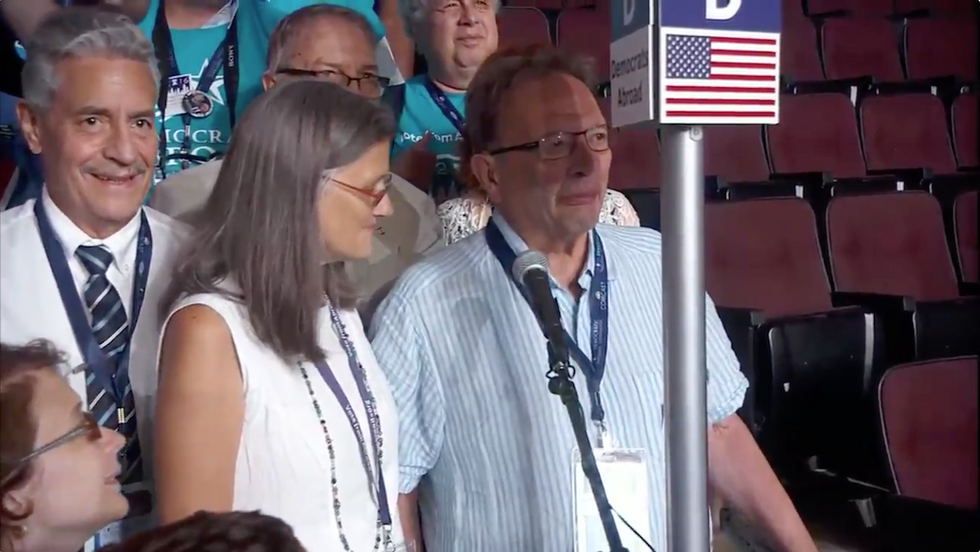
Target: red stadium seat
(865, 47)
(520, 26)
(965, 227)
(764, 255)
(895, 244)
(799, 59)
(587, 32)
(928, 414)
(735, 153)
(906, 132)
(965, 130)
(816, 133)
(941, 48)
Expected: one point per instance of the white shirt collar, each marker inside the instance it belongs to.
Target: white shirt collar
(122, 244)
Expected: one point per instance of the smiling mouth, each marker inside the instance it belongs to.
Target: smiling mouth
(118, 180)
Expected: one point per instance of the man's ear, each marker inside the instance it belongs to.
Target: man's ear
(30, 126)
(484, 172)
(268, 80)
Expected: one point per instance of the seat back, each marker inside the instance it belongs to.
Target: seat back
(587, 32)
(816, 133)
(965, 224)
(928, 414)
(906, 131)
(735, 153)
(941, 47)
(891, 243)
(764, 254)
(522, 26)
(799, 59)
(861, 47)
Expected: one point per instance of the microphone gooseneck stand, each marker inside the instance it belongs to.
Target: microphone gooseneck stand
(560, 383)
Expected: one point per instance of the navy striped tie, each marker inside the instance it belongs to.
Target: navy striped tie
(110, 327)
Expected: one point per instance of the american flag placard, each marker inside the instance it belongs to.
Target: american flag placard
(719, 77)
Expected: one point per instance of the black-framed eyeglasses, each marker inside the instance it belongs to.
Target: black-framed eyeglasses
(560, 144)
(374, 84)
(88, 427)
(373, 195)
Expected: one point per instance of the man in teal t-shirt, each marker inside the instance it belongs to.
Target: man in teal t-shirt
(195, 49)
(420, 115)
(197, 29)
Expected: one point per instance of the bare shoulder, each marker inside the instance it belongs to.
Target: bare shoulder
(197, 340)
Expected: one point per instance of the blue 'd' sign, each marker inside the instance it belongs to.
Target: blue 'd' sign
(761, 16)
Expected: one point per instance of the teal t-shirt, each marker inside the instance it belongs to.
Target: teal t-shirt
(420, 114)
(193, 49)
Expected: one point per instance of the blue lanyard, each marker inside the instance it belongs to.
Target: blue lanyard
(225, 54)
(595, 367)
(370, 407)
(115, 381)
(447, 108)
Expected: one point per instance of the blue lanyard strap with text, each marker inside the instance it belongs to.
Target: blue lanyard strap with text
(447, 107)
(370, 408)
(224, 55)
(113, 381)
(593, 368)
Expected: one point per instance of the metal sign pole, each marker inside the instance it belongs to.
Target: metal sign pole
(684, 64)
(682, 192)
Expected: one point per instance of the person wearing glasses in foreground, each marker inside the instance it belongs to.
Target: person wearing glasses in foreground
(334, 44)
(58, 468)
(487, 451)
(270, 398)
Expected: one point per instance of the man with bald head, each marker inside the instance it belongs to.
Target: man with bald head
(337, 44)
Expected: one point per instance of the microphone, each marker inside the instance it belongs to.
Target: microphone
(531, 269)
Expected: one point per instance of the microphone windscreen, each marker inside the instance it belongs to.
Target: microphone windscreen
(526, 261)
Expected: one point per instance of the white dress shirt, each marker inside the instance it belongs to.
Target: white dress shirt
(31, 306)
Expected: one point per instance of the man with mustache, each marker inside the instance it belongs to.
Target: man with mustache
(211, 58)
(486, 451)
(330, 43)
(84, 265)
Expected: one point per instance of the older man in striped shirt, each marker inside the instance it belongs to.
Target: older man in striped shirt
(487, 453)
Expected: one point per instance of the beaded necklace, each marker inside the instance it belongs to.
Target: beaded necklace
(375, 478)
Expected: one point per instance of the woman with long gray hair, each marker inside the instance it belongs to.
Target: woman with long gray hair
(270, 397)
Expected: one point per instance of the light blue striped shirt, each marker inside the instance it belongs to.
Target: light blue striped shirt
(491, 448)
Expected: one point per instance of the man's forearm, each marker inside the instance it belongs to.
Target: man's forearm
(740, 473)
(408, 510)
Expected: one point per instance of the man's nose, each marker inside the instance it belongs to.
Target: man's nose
(120, 145)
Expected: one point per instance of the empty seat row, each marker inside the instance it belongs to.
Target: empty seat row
(826, 332)
(795, 7)
(851, 47)
(820, 133)
(884, 7)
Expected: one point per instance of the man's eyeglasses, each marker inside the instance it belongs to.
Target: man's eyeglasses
(372, 84)
(373, 195)
(560, 144)
(88, 427)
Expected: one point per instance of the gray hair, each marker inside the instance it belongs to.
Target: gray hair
(260, 228)
(79, 32)
(412, 13)
(289, 26)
